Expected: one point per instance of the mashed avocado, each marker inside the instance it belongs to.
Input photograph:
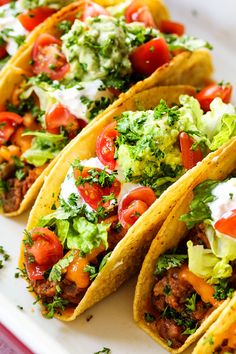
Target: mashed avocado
(99, 47)
(54, 4)
(147, 148)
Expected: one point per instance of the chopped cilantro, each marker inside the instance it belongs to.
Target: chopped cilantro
(64, 26)
(167, 290)
(190, 303)
(104, 350)
(162, 109)
(102, 178)
(57, 269)
(91, 270)
(169, 343)
(199, 210)
(149, 317)
(57, 305)
(181, 319)
(20, 174)
(28, 238)
(4, 255)
(190, 330)
(4, 186)
(167, 261)
(223, 290)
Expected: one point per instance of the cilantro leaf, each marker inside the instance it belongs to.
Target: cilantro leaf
(167, 261)
(199, 210)
(223, 290)
(56, 271)
(190, 302)
(104, 350)
(57, 305)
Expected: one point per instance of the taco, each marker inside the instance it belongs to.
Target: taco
(188, 275)
(220, 338)
(92, 202)
(67, 73)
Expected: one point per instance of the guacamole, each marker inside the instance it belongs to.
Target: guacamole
(100, 47)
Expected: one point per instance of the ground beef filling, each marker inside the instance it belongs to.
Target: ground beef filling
(46, 290)
(174, 320)
(12, 197)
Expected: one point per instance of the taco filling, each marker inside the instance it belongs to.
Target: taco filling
(138, 156)
(73, 77)
(192, 280)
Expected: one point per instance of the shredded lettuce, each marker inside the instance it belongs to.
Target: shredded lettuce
(204, 263)
(86, 236)
(221, 245)
(45, 147)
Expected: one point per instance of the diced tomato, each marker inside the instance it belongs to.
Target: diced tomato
(92, 9)
(134, 204)
(105, 145)
(227, 224)
(8, 124)
(115, 92)
(59, 116)
(167, 26)
(209, 93)
(4, 2)
(48, 57)
(3, 51)
(138, 11)
(45, 251)
(33, 17)
(92, 193)
(150, 56)
(189, 157)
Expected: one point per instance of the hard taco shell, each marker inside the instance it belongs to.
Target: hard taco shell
(217, 165)
(126, 258)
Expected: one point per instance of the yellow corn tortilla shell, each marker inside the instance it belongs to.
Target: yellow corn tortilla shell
(126, 259)
(217, 165)
(215, 334)
(185, 69)
(127, 256)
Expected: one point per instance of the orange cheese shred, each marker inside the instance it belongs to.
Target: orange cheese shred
(205, 290)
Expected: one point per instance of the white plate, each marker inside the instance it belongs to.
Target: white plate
(111, 325)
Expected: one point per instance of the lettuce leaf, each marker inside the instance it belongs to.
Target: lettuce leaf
(221, 245)
(212, 120)
(199, 209)
(204, 263)
(45, 147)
(87, 236)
